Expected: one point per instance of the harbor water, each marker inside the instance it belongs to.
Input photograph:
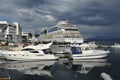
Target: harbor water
(65, 69)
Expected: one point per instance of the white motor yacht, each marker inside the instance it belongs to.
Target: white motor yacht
(32, 52)
(116, 45)
(86, 52)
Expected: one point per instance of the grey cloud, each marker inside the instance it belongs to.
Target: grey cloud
(29, 3)
(103, 15)
(108, 10)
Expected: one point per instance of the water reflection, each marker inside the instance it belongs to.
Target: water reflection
(85, 66)
(77, 70)
(116, 50)
(38, 67)
(53, 70)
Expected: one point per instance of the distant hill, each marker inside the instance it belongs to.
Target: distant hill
(104, 38)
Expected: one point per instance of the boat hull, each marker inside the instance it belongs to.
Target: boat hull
(89, 57)
(28, 57)
(92, 54)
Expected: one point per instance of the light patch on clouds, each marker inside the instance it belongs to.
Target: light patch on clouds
(50, 18)
(92, 18)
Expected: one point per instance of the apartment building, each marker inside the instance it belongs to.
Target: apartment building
(3, 24)
(10, 32)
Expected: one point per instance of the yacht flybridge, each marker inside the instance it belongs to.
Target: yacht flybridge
(62, 32)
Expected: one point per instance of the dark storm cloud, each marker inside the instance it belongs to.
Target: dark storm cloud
(30, 3)
(95, 13)
(92, 17)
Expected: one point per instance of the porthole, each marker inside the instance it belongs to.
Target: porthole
(14, 65)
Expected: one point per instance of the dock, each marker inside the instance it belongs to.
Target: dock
(4, 74)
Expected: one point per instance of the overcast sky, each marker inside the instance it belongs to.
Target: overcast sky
(92, 17)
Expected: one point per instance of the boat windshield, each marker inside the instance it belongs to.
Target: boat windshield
(76, 50)
(34, 52)
(47, 51)
(27, 49)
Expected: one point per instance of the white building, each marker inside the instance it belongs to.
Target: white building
(11, 32)
(3, 25)
(1, 35)
(18, 31)
(25, 36)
